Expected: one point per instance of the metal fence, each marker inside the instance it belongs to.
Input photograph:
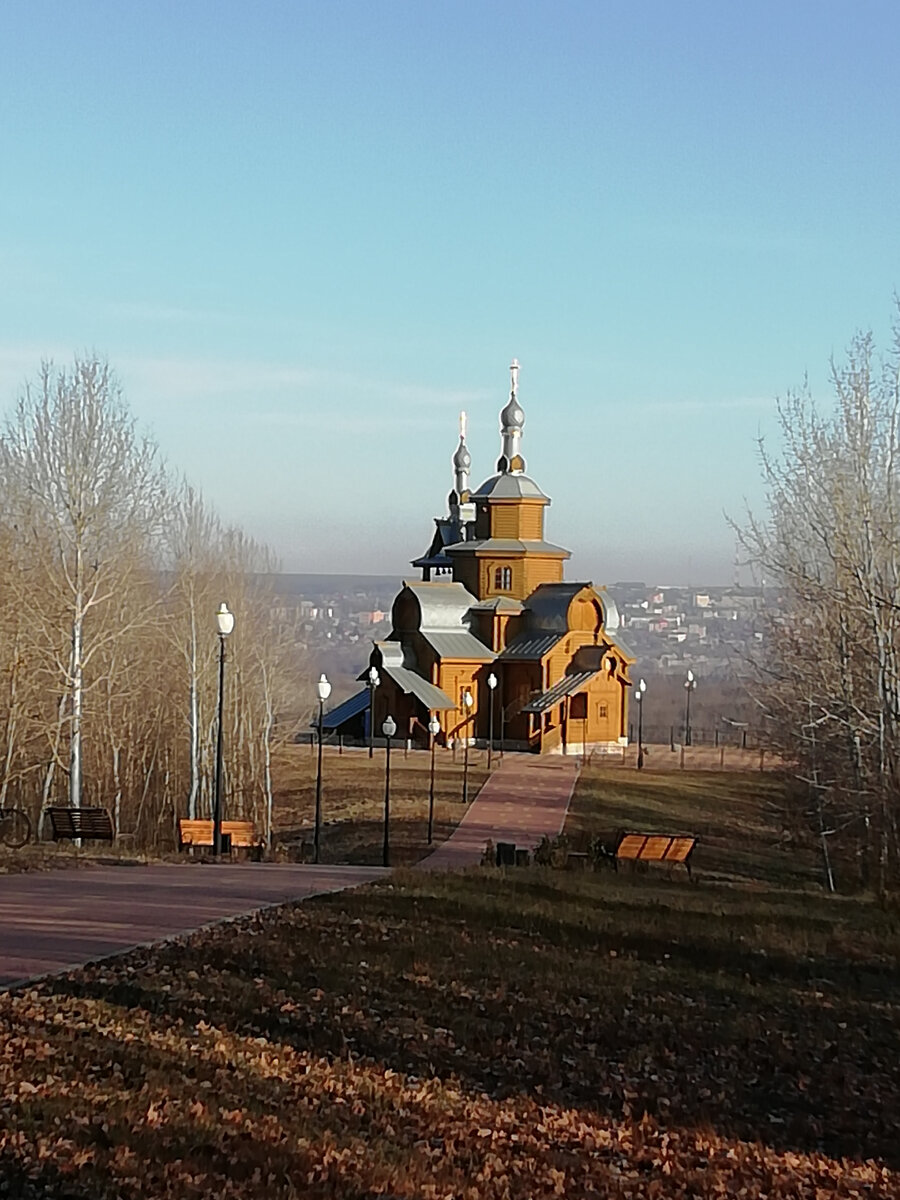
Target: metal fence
(676, 735)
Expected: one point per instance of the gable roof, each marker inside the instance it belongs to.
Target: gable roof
(346, 711)
(531, 645)
(410, 682)
(567, 686)
(447, 533)
(458, 643)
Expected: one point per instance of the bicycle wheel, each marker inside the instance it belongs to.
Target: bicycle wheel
(15, 827)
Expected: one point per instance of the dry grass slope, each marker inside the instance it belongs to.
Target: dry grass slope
(488, 1035)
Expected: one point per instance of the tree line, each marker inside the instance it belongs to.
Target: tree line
(828, 678)
(113, 570)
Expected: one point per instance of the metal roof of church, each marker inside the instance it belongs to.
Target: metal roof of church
(499, 604)
(548, 605)
(409, 681)
(565, 687)
(531, 645)
(442, 605)
(507, 545)
(506, 486)
(458, 643)
(347, 710)
(446, 534)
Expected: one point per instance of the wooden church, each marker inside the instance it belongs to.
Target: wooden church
(491, 636)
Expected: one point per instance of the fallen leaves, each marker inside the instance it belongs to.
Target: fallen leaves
(419, 1042)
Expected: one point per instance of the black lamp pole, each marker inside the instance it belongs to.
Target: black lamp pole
(373, 683)
(319, 787)
(492, 684)
(388, 729)
(467, 704)
(433, 728)
(220, 754)
(689, 684)
(639, 697)
(225, 623)
(323, 687)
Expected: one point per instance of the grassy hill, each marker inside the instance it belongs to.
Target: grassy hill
(523, 1034)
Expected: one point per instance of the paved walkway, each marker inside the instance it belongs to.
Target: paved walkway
(525, 799)
(53, 920)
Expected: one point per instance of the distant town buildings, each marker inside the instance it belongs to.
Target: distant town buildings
(671, 629)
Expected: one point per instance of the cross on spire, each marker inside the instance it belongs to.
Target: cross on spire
(514, 377)
(462, 426)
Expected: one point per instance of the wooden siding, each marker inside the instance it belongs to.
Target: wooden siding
(454, 678)
(518, 519)
(531, 521)
(535, 570)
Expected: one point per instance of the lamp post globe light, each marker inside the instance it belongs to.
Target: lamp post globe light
(323, 687)
(467, 704)
(434, 728)
(224, 625)
(389, 728)
(639, 697)
(374, 680)
(689, 684)
(492, 684)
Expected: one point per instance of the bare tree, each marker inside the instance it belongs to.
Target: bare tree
(830, 677)
(107, 621)
(87, 490)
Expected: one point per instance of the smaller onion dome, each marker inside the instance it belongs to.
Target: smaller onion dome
(512, 422)
(512, 417)
(462, 459)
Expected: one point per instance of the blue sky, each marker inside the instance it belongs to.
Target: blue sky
(306, 235)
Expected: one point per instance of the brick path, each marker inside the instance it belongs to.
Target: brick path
(524, 799)
(53, 920)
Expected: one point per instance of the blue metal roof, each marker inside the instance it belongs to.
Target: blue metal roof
(346, 711)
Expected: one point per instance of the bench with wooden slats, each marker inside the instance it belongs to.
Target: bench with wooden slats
(200, 833)
(655, 847)
(91, 824)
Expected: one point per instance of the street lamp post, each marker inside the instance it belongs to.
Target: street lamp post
(467, 704)
(389, 728)
(689, 684)
(492, 684)
(374, 681)
(639, 697)
(434, 728)
(323, 687)
(225, 624)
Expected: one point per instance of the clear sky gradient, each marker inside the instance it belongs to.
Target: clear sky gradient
(306, 235)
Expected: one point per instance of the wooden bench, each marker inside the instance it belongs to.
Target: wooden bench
(200, 833)
(655, 847)
(93, 824)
